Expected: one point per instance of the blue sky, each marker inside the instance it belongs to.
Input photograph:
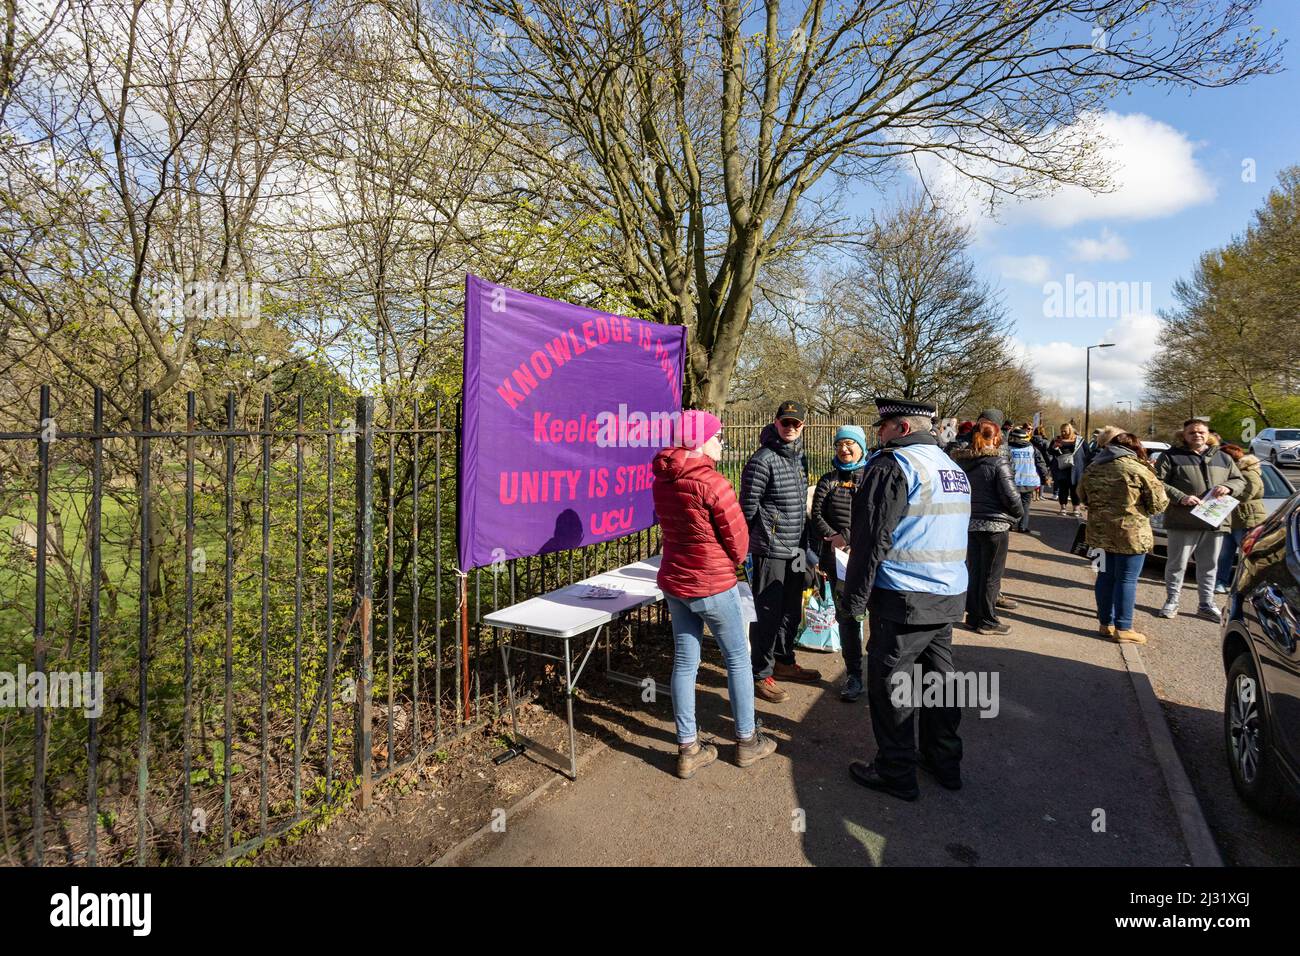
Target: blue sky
(1179, 168)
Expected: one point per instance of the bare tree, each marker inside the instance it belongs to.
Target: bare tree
(938, 330)
(700, 129)
(802, 343)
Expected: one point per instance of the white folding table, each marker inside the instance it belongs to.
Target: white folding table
(567, 615)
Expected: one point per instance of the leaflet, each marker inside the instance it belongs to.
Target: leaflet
(596, 592)
(841, 564)
(1214, 509)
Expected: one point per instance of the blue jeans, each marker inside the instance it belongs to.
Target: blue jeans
(1117, 588)
(1226, 555)
(722, 613)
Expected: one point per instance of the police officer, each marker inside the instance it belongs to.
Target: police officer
(907, 572)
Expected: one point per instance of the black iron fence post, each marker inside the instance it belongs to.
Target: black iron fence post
(146, 529)
(38, 636)
(95, 519)
(365, 591)
(230, 496)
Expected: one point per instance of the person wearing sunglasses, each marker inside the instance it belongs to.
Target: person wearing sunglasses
(774, 499)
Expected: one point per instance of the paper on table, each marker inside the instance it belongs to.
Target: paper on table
(841, 564)
(1214, 509)
(598, 593)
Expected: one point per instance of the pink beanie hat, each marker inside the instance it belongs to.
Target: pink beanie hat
(698, 427)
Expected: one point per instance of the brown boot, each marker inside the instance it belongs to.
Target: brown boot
(767, 689)
(793, 672)
(1106, 631)
(689, 761)
(754, 749)
(1130, 637)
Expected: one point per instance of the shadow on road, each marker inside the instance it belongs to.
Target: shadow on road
(1066, 743)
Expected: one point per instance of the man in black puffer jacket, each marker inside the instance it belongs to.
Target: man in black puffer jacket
(995, 507)
(774, 499)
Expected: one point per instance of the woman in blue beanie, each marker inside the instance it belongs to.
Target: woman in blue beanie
(832, 514)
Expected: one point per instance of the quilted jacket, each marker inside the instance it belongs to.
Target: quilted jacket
(704, 533)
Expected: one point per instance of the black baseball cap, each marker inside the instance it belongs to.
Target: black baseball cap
(792, 409)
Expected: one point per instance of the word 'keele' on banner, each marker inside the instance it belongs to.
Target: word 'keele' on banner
(564, 410)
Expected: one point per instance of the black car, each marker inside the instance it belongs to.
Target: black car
(1261, 654)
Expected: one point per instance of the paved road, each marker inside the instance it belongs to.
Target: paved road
(1067, 746)
(1183, 659)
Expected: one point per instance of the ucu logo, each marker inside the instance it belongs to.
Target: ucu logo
(611, 521)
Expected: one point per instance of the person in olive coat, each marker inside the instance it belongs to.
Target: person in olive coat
(995, 507)
(1122, 492)
(1249, 514)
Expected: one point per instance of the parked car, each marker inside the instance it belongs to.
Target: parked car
(1281, 446)
(1277, 489)
(1261, 657)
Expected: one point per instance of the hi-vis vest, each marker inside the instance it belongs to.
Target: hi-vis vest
(1022, 462)
(929, 549)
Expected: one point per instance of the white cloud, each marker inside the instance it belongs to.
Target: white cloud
(1117, 373)
(1032, 269)
(1150, 165)
(1154, 174)
(1108, 248)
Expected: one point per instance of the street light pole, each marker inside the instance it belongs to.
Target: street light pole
(1087, 387)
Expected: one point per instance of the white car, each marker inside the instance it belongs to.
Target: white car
(1281, 446)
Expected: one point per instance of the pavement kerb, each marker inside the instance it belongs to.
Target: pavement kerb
(1191, 820)
(1200, 843)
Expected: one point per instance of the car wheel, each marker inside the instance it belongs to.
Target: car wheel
(1249, 740)
(1272, 456)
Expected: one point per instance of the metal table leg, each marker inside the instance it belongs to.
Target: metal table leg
(568, 703)
(520, 744)
(630, 680)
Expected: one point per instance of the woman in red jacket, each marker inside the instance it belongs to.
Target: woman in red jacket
(704, 538)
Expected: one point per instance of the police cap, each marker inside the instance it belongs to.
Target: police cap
(888, 408)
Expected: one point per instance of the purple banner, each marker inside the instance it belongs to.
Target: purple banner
(564, 409)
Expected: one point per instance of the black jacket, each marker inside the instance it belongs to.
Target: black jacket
(832, 510)
(993, 494)
(1056, 452)
(881, 502)
(774, 496)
